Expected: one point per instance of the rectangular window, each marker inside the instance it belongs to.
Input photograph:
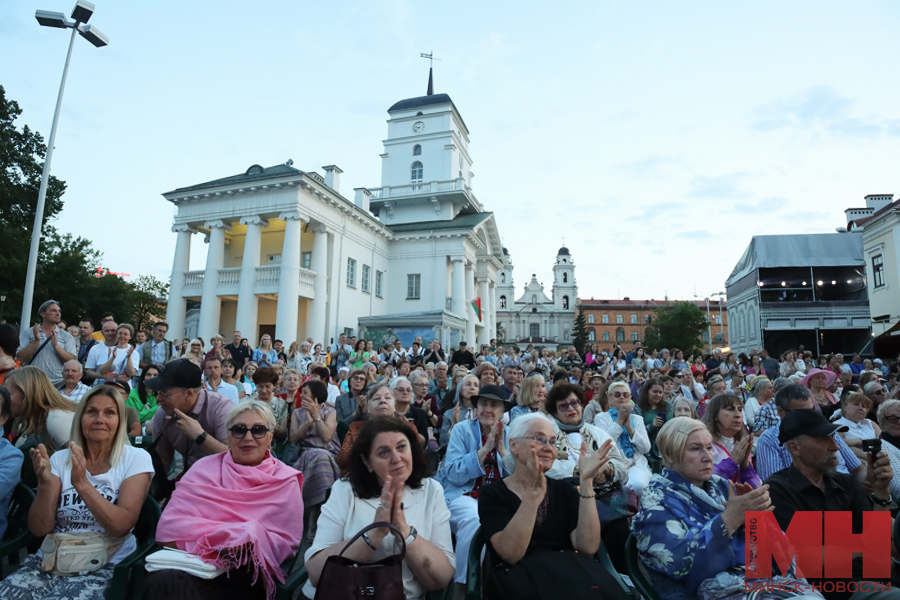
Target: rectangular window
(378, 279)
(634, 319)
(648, 318)
(618, 318)
(634, 336)
(366, 276)
(606, 318)
(351, 273)
(273, 260)
(590, 318)
(605, 336)
(878, 270)
(413, 283)
(718, 319)
(306, 259)
(535, 330)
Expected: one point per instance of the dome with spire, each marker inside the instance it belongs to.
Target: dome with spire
(563, 252)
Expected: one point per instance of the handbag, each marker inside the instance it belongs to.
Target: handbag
(544, 575)
(68, 553)
(345, 579)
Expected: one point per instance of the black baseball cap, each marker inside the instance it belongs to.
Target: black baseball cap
(806, 421)
(180, 373)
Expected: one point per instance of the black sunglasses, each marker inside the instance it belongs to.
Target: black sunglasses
(257, 431)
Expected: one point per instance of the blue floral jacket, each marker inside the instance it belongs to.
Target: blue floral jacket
(680, 534)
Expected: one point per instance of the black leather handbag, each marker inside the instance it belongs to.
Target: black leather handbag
(345, 579)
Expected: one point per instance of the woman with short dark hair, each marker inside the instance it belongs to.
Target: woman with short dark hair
(386, 483)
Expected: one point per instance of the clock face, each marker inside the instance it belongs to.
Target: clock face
(418, 126)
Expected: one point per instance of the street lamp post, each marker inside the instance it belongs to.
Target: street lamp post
(80, 15)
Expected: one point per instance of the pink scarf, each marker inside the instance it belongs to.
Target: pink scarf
(220, 504)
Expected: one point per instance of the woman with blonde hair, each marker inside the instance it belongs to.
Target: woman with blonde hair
(38, 408)
(463, 408)
(95, 486)
(218, 349)
(265, 355)
(531, 397)
(195, 352)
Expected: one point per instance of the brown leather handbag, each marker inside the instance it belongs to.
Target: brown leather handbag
(345, 579)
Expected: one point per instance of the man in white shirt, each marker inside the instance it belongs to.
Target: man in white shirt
(100, 353)
(213, 372)
(72, 388)
(398, 353)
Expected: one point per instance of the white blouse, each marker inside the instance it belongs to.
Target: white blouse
(344, 515)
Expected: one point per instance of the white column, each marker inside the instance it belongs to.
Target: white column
(493, 295)
(458, 301)
(248, 304)
(209, 300)
(470, 312)
(289, 279)
(176, 306)
(484, 335)
(315, 318)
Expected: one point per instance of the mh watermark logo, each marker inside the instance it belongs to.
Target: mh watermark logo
(820, 552)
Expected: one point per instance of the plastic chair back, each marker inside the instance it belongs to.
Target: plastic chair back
(636, 572)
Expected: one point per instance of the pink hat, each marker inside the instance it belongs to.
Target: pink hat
(830, 376)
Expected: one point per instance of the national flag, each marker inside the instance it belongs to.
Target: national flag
(476, 304)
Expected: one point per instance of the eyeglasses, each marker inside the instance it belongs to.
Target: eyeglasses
(879, 392)
(403, 390)
(540, 440)
(892, 419)
(421, 384)
(257, 431)
(168, 392)
(567, 406)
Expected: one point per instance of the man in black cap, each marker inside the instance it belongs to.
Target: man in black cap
(192, 420)
(812, 484)
(463, 357)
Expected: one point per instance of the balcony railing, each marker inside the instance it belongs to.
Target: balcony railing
(415, 189)
(267, 280)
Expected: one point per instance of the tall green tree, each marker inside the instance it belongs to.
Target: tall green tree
(678, 325)
(146, 307)
(579, 332)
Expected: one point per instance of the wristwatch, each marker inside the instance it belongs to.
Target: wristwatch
(413, 534)
(201, 438)
(876, 500)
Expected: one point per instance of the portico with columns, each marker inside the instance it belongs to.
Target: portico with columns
(290, 256)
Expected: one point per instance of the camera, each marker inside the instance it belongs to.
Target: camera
(872, 446)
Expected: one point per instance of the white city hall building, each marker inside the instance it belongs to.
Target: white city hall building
(290, 256)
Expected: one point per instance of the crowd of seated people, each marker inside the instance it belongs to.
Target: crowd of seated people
(548, 473)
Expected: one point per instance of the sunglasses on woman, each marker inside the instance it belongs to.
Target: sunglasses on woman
(257, 431)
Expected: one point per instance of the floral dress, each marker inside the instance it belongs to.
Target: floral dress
(681, 536)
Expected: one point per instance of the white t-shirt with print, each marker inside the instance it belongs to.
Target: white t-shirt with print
(73, 515)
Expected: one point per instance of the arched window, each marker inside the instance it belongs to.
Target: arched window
(565, 303)
(417, 150)
(592, 336)
(565, 277)
(534, 298)
(502, 277)
(417, 172)
(620, 334)
(502, 301)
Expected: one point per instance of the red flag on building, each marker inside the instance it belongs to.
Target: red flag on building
(476, 304)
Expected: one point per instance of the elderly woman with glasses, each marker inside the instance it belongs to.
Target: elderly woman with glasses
(229, 510)
(474, 459)
(539, 528)
(626, 427)
(889, 421)
(563, 405)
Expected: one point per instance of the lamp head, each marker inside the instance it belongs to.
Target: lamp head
(82, 11)
(52, 19)
(93, 35)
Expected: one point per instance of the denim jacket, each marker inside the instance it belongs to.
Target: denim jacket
(461, 468)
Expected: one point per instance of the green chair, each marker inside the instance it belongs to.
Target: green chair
(28, 477)
(293, 580)
(342, 429)
(603, 558)
(434, 460)
(141, 441)
(474, 568)
(128, 576)
(636, 571)
(17, 534)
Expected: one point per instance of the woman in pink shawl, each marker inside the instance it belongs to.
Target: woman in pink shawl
(229, 510)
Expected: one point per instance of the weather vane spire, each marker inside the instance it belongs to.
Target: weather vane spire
(431, 59)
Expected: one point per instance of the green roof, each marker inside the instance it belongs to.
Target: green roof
(254, 173)
(467, 221)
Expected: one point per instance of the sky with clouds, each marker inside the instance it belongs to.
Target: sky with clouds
(656, 138)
